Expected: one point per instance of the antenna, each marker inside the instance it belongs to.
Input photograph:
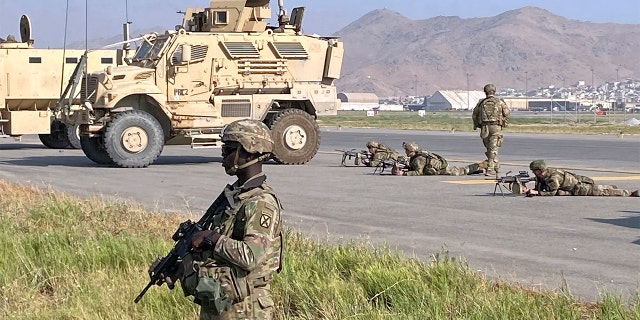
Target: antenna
(125, 29)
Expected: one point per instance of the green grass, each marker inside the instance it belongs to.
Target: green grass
(69, 258)
(586, 123)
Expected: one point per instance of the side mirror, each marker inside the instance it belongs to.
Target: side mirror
(185, 58)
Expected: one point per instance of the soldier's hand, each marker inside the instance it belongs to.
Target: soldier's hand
(198, 238)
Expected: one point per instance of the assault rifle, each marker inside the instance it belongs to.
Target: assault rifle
(358, 155)
(400, 163)
(164, 270)
(513, 183)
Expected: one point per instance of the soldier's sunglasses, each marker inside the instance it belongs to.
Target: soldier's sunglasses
(228, 149)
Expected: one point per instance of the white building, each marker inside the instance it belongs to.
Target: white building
(358, 100)
(454, 100)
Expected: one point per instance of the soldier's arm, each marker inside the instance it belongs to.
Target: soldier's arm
(418, 166)
(506, 112)
(552, 185)
(262, 231)
(377, 159)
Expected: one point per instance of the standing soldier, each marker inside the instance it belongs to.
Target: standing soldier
(491, 114)
(234, 261)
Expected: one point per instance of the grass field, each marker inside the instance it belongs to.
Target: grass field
(558, 122)
(69, 258)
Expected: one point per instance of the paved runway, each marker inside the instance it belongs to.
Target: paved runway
(590, 243)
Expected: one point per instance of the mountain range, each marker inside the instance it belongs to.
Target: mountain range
(391, 55)
(528, 48)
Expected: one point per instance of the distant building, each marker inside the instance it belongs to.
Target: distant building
(454, 100)
(358, 100)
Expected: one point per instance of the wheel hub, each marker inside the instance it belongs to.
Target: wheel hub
(295, 137)
(134, 139)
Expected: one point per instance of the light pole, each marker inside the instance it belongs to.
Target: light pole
(526, 90)
(468, 105)
(415, 84)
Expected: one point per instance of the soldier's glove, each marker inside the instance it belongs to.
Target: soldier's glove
(205, 239)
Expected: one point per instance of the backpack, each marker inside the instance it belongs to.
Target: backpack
(436, 161)
(491, 110)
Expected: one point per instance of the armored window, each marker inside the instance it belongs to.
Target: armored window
(288, 50)
(35, 60)
(106, 60)
(221, 17)
(241, 50)
(70, 60)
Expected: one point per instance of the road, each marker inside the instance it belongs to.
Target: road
(589, 244)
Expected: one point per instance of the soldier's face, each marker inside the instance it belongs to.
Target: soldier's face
(538, 173)
(229, 156)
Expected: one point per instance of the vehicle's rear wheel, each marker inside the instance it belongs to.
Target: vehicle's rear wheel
(93, 148)
(57, 139)
(133, 139)
(73, 135)
(296, 137)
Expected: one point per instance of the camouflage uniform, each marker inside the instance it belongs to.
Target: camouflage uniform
(378, 154)
(234, 274)
(491, 114)
(557, 182)
(429, 164)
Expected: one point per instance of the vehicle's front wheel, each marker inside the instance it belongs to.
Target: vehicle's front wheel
(57, 139)
(296, 136)
(133, 139)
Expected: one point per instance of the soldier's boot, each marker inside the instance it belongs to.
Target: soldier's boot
(473, 168)
(635, 193)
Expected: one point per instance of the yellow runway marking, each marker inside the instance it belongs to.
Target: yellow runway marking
(490, 181)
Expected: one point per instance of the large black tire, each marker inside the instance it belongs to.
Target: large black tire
(57, 139)
(93, 148)
(73, 135)
(296, 137)
(134, 139)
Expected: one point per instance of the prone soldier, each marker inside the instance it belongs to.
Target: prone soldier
(557, 182)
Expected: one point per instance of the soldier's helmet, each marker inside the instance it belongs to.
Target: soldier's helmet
(490, 88)
(537, 165)
(411, 146)
(253, 135)
(372, 144)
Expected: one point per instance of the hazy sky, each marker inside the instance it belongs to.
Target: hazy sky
(322, 16)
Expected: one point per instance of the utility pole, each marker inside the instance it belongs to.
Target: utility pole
(415, 84)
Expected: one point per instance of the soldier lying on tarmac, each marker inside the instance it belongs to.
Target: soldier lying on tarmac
(423, 163)
(558, 182)
(379, 152)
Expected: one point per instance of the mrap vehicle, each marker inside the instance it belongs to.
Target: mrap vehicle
(31, 81)
(222, 64)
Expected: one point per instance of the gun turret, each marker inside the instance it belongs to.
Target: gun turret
(229, 16)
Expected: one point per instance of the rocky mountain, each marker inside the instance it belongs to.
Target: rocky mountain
(392, 55)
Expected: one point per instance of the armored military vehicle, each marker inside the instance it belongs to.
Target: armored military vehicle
(30, 84)
(222, 64)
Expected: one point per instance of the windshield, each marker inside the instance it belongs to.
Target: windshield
(150, 49)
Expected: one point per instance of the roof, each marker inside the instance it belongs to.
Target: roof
(362, 97)
(459, 97)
